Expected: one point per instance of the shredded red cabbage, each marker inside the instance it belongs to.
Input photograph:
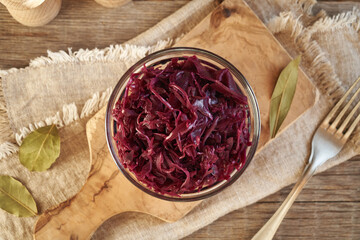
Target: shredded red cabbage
(182, 127)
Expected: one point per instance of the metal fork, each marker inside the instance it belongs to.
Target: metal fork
(329, 139)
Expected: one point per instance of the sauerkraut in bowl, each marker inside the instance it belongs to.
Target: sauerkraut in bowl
(182, 124)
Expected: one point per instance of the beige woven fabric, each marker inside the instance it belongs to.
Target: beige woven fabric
(54, 89)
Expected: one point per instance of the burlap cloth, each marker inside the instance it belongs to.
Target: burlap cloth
(67, 88)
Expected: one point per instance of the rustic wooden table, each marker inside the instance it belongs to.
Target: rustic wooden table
(328, 207)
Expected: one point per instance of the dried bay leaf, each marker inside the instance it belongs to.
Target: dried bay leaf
(283, 95)
(40, 149)
(15, 198)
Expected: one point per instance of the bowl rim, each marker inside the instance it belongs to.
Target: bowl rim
(252, 103)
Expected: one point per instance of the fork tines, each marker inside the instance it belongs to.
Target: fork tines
(340, 126)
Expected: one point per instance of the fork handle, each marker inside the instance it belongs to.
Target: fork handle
(268, 231)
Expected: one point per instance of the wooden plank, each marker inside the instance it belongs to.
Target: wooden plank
(337, 184)
(97, 27)
(304, 221)
(335, 7)
(80, 24)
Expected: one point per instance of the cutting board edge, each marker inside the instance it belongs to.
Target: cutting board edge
(283, 48)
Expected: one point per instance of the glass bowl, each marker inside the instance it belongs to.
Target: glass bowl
(212, 60)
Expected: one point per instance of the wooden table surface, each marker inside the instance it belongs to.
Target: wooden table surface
(328, 207)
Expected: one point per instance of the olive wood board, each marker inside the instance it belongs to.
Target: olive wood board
(232, 31)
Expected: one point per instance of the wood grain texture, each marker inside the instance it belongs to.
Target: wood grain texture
(112, 3)
(334, 7)
(21, 4)
(106, 193)
(328, 207)
(80, 24)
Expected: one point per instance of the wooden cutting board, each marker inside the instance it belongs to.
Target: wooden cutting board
(232, 31)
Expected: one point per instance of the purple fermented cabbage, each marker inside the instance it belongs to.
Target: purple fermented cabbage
(182, 127)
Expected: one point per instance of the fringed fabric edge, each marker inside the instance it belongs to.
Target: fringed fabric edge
(70, 112)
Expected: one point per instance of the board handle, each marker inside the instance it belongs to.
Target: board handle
(79, 217)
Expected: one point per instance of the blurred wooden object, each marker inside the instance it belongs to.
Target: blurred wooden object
(112, 3)
(33, 13)
(22, 4)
